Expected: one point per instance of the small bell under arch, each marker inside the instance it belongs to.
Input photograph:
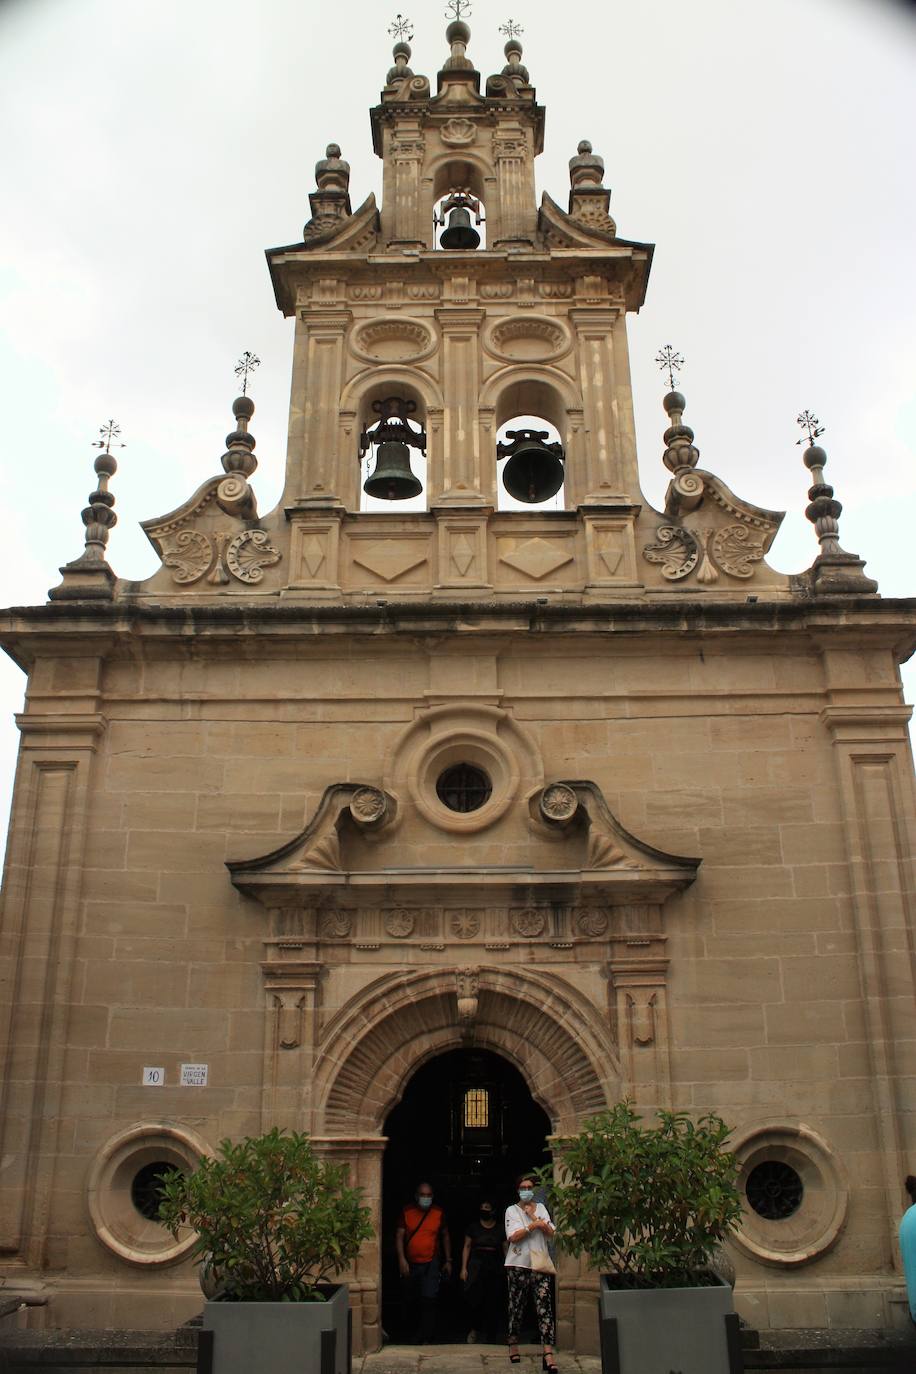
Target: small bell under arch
(459, 233)
(392, 478)
(535, 469)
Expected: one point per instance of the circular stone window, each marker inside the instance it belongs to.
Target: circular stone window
(146, 1189)
(463, 788)
(124, 1187)
(795, 1191)
(774, 1190)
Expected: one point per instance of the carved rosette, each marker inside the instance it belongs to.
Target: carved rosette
(528, 922)
(591, 921)
(464, 924)
(559, 803)
(368, 805)
(400, 924)
(334, 925)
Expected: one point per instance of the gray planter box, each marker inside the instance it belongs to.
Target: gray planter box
(668, 1330)
(282, 1337)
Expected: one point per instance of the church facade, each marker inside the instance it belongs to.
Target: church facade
(587, 790)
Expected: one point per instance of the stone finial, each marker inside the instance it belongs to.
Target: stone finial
(401, 52)
(331, 172)
(458, 35)
(586, 168)
(589, 198)
(680, 450)
(834, 570)
(234, 495)
(513, 69)
(330, 203)
(89, 576)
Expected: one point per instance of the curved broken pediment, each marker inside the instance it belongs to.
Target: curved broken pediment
(354, 851)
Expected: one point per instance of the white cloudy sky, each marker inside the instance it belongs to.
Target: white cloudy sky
(151, 150)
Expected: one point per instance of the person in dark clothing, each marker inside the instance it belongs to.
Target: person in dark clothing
(482, 1274)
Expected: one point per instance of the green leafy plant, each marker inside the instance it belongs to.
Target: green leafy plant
(648, 1204)
(272, 1219)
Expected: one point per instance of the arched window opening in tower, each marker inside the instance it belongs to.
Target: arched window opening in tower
(530, 465)
(392, 455)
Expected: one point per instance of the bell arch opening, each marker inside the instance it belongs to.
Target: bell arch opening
(392, 449)
(467, 1124)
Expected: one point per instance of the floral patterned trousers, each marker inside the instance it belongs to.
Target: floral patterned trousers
(521, 1281)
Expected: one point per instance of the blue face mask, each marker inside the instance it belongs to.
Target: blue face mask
(424, 1201)
(526, 1194)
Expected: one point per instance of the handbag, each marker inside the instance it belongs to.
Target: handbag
(541, 1263)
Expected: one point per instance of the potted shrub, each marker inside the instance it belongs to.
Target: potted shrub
(650, 1205)
(274, 1224)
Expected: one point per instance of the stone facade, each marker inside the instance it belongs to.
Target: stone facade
(690, 881)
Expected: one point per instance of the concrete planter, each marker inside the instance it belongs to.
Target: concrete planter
(659, 1330)
(282, 1337)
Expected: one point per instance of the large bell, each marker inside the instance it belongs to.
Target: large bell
(460, 232)
(392, 479)
(534, 471)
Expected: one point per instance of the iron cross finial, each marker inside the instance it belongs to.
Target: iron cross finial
(810, 423)
(458, 9)
(110, 434)
(669, 362)
(511, 29)
(245, 366)
(401, 30)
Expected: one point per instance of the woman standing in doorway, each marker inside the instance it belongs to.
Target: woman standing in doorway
(529, 1268)
(482, 1273)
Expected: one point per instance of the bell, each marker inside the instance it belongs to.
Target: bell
(460, 232)
(534, 470)
(392, 479)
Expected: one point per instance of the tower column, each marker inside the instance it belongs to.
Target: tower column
(314, 456)
(461, 459)
(605, 479)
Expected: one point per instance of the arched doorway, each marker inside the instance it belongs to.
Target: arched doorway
(468, 1124)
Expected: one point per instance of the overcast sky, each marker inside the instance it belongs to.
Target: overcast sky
(152, 149)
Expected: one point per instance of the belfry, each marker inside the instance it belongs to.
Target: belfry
(463, 787)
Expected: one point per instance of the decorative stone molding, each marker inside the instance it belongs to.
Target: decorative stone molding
(458, 133)
(117, 1223)
(815, 1227)
(369, 1049)
(527, 338)
(392, 339)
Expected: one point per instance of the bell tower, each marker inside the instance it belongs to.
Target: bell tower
(404, 308)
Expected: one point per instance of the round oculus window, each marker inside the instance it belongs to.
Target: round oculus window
(146, 1188)
(774, 1190)
(463, 788)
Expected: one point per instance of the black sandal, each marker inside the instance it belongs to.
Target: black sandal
(514, 1359)
(551, 1367)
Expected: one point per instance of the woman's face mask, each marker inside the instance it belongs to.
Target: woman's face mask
(486, 1214)
(526, 1194)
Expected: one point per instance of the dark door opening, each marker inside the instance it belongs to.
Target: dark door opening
(468, 1125)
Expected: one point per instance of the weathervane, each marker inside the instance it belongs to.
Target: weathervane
(245, 366)
(812, 425)
(458, 9)
(669, 362)
(401, 30)
(110, 434)
(511, 29)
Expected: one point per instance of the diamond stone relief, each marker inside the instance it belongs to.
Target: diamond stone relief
(390, 561)
(538, 557)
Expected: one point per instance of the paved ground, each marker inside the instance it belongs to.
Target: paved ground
(467, 1359)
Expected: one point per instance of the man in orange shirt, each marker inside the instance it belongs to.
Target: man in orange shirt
(420, 1236)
